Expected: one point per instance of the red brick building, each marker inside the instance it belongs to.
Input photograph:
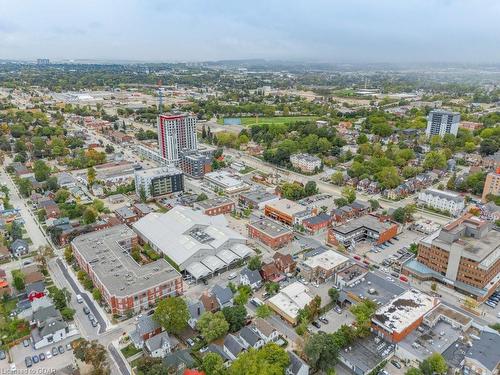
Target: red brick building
(271, 233)
(126, 286)
(317, 223)
(216, 206)
(284, 263)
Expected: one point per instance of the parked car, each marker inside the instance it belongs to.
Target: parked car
(35, 359)
(94, 323)
(490, 304)
(60, 348)
(86, 310)
(68, 347)
(48, 355)
(322, 319)
(28, 362)
(26, 343)
(190, 342)
(2, 355)
(338, 310)
(54, 351)
(396, 363)
(231, 276)
(316, 324)
(41, 356)
(91, 317)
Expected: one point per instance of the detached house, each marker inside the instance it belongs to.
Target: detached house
(19, 248)
(160, 345)
(266, 331)
(224, 296)
(233, 346)
(251, 338)
(251, 278)
(49, 327)
(145, 328)
(196, 308)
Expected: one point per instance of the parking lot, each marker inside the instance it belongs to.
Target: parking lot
(335, 321)
(405, 239)
(49, 365)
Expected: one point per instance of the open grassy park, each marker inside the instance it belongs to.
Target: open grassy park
(272, 120)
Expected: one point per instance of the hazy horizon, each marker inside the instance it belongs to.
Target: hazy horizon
(361, 31)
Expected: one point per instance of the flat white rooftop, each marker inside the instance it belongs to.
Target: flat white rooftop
(327, 260)
(291, 299)
(404, 310)
(287, 206)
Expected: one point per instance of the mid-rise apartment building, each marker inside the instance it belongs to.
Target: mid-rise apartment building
(465, 255)
(156, 182)
(491, 184)
(305, 162)
(442, 201)
(126, 286)
(441, 122)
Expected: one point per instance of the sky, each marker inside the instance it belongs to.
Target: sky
(360, 31)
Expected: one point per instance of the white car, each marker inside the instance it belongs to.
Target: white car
(232, 276)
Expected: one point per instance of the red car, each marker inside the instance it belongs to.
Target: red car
(357, 257)
(366, 262)
(403, 278)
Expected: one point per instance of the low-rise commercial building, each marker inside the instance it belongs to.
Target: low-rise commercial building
(199, 244)
(257, 199)
(225, 181)
(271, 233)
(365, 227)
(442, 200)
(289, 301)
(318, 223)
(288, 212)
(157, 182)
(464, 255)
(126, 286)
(305, 162)
(323, 266)
(216, 206)
(401, 316)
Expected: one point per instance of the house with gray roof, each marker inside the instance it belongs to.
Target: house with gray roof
(196, 308)
(49, 328)
(251, 338)
(19, 247)
(233, 346)
(224, 296)
(145, 328)
(178, 361)
(251, 278)
(297, 365)
(483, 357)
(160, 345)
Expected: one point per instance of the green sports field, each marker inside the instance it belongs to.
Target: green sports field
(272, 120)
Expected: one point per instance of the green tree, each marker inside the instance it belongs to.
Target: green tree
(41, 170)
(93, 354)
(435, 160)
(68, 313)
(96, 294)
(18, 280)
(349, 194)
(254, 263)
(272, 287)
(61, 195)
(172, 314)
(413, 371)
(68, 254)
(337, 178)
(389, 177)
(310, 188)
(235, 316)
(25, 187)
(212, 326)
(271, 359)
(434, 364)
(91, 175)
(89, 216)
(322, 351)
(244, 292)
(213, 364)
(52, 183)
(333, 293)
(263, 311)
(374, 204)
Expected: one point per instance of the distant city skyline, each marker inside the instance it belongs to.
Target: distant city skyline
(364, 31)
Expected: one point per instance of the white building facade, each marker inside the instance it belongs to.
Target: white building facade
(305, 162)
(441, 122)
(442, 200)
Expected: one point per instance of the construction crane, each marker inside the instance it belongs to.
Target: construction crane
(160, 97)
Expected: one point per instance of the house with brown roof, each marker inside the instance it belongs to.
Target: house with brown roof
(284, 263)
(266, 331)
(33, 277)
(4, 253)
(209, 301)
(269, 272)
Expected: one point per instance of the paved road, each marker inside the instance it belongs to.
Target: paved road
(34, 232)
(89, 301)
(122, 366)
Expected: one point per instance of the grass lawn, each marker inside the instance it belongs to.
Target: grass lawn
(130, 350)
(247, 169)
(272, 120)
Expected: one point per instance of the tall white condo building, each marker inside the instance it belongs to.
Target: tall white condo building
(441, 122)
(176, 133)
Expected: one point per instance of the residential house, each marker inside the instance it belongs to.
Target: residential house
(65, 180)
(179, 361)
(224, 296)
(126, 215)
(196, 309)
(98, 190)
(50, 327)
(269, 272)
(284, 263)
(4, 287)
(251, 278)
(35, 290)
(145, 328)
(266, 331)
(251, 338)
(297, 365)
(209, 302)
(233, 346)
(50, 207)
(160, 345)
(4, 254)
(19, 248)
